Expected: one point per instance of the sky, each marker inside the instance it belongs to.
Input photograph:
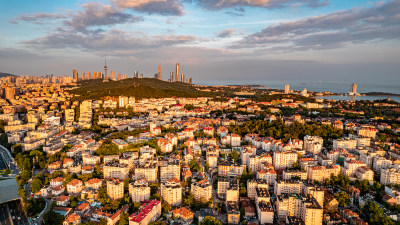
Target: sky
(221, 40)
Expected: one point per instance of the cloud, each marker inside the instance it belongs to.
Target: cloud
(96, 14)
(112, 40)
(162, 7)
(226, 33)
(220, 4)
(38, 17)
(335, 30)
(237, 11)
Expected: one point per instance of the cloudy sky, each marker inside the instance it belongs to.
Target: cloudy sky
(329, 40)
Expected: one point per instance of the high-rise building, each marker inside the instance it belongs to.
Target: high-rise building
(135, 74)
(170, 170)
(159, 72)
(115, 189)
(177, 73)
(75, 75)
(171, 77)
(171, 191)
(112, 75)
(123, 101)
(141, 76)
(304, 92)
(105, 68)
(190, 80)
(89, 75)
(353, 89)
(182, 78)
(139, 190)
(9, 93)
(287, 88)
(202, 190)
(284, 159)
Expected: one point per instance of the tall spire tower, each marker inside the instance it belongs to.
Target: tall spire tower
(105, 67)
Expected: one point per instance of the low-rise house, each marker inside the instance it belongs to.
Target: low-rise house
(62, 200)
(74, 186)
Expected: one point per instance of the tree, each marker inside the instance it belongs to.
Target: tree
(376, 186)
(235, 156)
(342, 198)
(53, 218)
(36, 185)
(195, 166)
(124, 219)
(108, 149)
(296, 165)
(207, 166)
(188, 107)
(73, 201)
(26, 175)
(209, 220)
(166, 208)
(363, 186)
(374, 214)
(189, 199)
(136, 206)
(156, 223)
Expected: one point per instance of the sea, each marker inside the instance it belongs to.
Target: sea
(320, 86)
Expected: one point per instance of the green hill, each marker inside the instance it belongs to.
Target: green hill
(136, 87)
(6, 74)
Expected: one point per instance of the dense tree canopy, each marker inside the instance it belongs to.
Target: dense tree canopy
(277, 129)
(209, 220)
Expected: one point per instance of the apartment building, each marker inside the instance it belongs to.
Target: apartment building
(114, 169)
(115, 189)
(367, 132)
(147, 170)
(252, 186)
(149, 211)
(313, 144)
(287, 186)
(390, 176)
(139, 190)
(345, 143)
(202, 190)
(289, 174)
(320, 173)
(284, 159)
(350, 166)
(233, 213)
(269, 175)
(365, 173)
(304, 207)
(171, 191)
(74, 186)
(265, 212)
(170, 170)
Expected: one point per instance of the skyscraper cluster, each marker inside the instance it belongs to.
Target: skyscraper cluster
(287, 89)
(98, 75)
(353, 89)
(178, 76)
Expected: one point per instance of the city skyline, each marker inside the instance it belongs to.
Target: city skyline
(223, 40)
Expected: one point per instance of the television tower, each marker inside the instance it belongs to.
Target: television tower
(105, 67)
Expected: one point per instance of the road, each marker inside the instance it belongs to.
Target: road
(11, 213)
(220, 217)
(48, 204)
(17, 214)
(6, 157)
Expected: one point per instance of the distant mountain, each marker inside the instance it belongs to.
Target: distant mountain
(136, 87)
(6, 74)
